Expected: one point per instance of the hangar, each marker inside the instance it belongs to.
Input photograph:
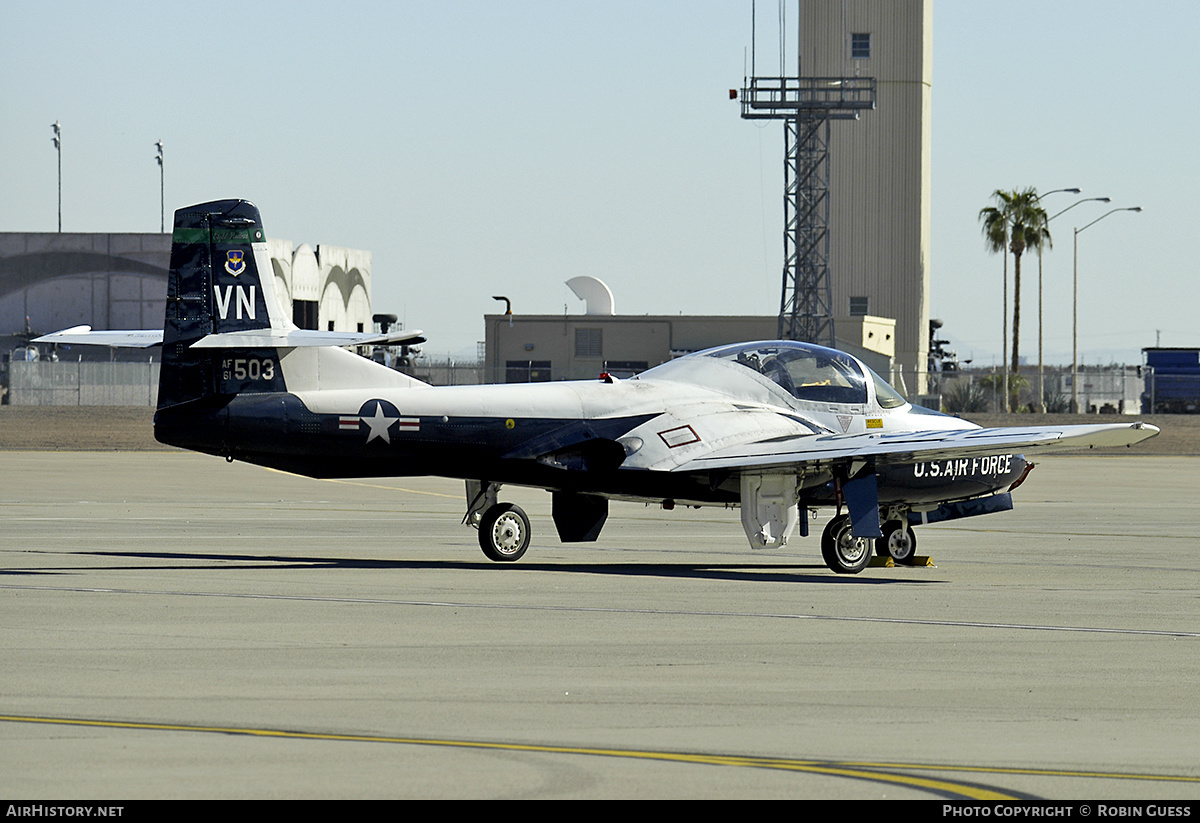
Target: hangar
(119, 281)
(51, 281)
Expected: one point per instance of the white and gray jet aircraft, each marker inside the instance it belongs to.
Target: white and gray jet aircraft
(778, 428)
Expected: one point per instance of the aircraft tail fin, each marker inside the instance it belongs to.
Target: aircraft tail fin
(221, 281)
(226, 331)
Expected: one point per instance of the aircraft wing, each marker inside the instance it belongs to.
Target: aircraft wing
(84, 335)
(907, 447)
(300, 338)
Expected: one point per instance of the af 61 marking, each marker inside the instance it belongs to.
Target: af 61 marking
(252, 370)
(248, 368)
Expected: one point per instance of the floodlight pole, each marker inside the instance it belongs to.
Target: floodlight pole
(1075, 310)
(57, 141)
(162, 196)
(1041, 368)
(1041, 395)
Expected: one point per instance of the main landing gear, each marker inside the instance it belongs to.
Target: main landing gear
(843, 552)
(847, 554)
(899, 542)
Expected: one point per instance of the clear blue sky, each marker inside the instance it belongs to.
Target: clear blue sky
(480, 148)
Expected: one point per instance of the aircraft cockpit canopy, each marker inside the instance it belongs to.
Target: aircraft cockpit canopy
(811, 373)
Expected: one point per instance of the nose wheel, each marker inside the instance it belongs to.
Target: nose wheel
(504, 533)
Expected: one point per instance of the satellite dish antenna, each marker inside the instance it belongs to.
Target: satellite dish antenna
(594, 292)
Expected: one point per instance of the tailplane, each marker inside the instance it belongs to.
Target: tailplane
(217, 287)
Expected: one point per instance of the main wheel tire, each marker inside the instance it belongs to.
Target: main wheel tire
(899, 542)
(843, 552)
(504, 533)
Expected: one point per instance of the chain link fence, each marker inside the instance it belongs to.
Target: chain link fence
(1115, 389)
(48, 383)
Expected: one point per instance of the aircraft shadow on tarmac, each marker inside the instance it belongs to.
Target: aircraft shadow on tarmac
(779, 573)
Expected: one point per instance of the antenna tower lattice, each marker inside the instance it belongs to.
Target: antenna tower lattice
(806, 105)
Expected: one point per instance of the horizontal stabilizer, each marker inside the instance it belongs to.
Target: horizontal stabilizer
(251, 339)
(83, 335)
(304, 338)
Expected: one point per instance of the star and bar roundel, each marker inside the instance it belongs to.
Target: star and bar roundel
(380, 419)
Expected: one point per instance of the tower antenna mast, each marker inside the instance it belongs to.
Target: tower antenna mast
(806, 105)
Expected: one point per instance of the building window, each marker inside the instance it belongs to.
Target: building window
(860, 46)
(589, 342)
(304, 314)
(527, 371)
(858, 306)
(623, 369)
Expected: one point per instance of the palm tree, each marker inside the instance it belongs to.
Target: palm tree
(1015, 223)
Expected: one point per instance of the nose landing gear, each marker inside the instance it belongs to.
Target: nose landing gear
(504, 532)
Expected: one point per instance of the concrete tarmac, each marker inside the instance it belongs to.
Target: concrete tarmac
(172, 626)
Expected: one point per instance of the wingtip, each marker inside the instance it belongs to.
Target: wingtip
(54, 336)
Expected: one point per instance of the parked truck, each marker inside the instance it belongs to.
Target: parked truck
(1172, 381)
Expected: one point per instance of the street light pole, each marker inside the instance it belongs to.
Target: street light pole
(1075, 309)
(57, 141)
(1041, 395)
(162, 197)
(1041, 364)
